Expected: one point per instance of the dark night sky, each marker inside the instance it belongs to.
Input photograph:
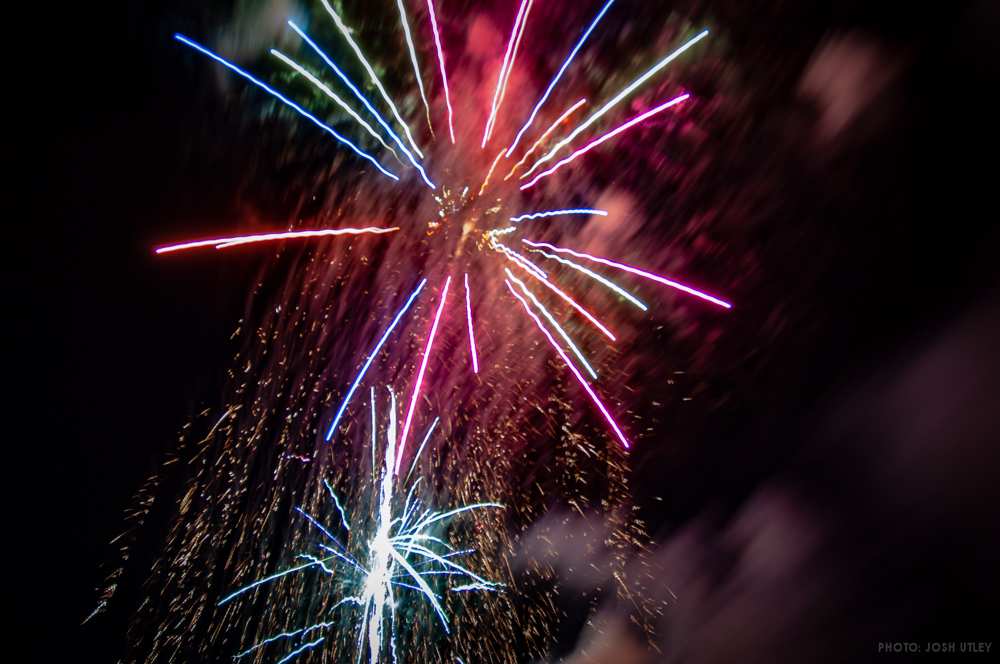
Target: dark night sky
(118, 349)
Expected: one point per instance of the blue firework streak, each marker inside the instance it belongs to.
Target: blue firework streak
(404, 553)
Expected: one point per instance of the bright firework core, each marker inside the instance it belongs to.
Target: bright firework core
(406, 552)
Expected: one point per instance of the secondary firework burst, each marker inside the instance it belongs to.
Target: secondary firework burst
(380, 554)
(482, 226)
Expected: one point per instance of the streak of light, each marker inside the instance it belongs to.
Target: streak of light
(344, 30)
(556, 213)
(283, 635)
(554, 323)
(413, 59)
(629, 89)
(573, 303)
(634, 270)
(371, 358)
(596, 277)
(541, 139)
(224, 242)
(329, 93)
(420, 373)
(285, 100)
(427, 436)
(298, 651)
(520, 260)
(606, 137)
(472, 335)
(508, 63)
(555, 79)
(444, 73)
(572, 367)
(357, 93)
(489, 173)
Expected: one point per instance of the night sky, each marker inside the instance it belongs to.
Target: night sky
(875, 408)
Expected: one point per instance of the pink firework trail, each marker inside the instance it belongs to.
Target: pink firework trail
(576, 372)
(508, 63)
(225, 242)
(472, 335)
(606, 137)
(634, 270)
(420, 374)
(570, 301)
(444, 73)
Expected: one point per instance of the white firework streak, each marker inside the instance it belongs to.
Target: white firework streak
(402, 555)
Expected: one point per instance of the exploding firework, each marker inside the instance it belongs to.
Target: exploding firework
(483, 227)
(401, 551)
(424, 267)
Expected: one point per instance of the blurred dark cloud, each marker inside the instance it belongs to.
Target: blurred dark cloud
(847, 546)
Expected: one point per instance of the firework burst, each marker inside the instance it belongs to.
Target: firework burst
(445, 278)
(482, 220)
(402, 551)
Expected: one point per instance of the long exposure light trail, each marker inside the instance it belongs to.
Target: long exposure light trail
(225, 242)
(541, 139)
(285, 100)
(420, 374)
(346, 32)
(634, 270)
(558, 213)
(444, 73)
(568, 300)
(555, 79)
(548, 316)
(596, 277)
(472, 335)
(606, 137)
(416, 66)
(629, 89)
(325, 89)
(576, 372)
(371, 358)
(508, 63)
(357, 93)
